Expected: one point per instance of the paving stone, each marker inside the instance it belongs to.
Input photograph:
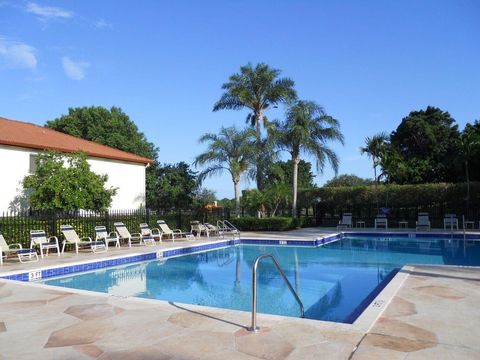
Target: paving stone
(266, 346)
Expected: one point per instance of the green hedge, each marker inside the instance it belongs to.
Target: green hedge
(267, 224)
(449, 195)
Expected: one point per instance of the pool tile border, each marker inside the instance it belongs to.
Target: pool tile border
(54, 271)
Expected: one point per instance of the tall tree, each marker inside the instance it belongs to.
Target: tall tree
(427, 142)
(256, 89)
(115, 129)
(307, 129)
(230, 150)
(175, 186)
(65, 182)
(374, 146)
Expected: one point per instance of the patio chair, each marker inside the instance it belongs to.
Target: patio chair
(346, 221)
(101, 234)
(124, 234)
(214, 230)
(39, 238)
(24, 255)
(165, 230)
(450, 221)
(423, 222)
(381, 221)
(72, 238)
(148, 236)
(198, 228)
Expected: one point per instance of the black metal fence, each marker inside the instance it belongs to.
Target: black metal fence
(329, 216)
(16, 226)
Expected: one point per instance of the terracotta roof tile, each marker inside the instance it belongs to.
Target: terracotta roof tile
(22, 134)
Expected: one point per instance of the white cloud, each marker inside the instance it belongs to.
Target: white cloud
(75, 70)
(18, 54)
(48, 12)
(102, 23)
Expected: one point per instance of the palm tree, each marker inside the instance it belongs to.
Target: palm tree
(256, 89)
(374, 146)
(307, 129)
(230, 150)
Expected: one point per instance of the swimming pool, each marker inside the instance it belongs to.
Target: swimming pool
(333, 281)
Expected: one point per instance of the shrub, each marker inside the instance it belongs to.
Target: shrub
(265, 224)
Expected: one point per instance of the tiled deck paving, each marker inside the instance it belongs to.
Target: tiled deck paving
(434, 315)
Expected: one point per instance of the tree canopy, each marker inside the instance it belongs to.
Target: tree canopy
(282, 171)
(256, 88)
(108, 127)
(65, 182)
(230, 150)
(347, 180)
(427, 144)
(175, 186)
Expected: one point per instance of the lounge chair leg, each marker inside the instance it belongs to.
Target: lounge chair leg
(63, 247)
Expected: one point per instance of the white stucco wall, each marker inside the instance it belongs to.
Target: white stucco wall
(128, 177)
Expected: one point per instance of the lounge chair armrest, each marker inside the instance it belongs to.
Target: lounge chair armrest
(88, 238)
(18, 245)
(136, 235)
(113, 234)
(53, 239)
(157, 231)
(177, 230)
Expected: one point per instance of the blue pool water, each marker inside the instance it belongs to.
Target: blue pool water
(335, 282)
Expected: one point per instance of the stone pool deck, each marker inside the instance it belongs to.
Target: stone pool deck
(433, 314)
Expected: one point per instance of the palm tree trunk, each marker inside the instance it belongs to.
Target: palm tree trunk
(376, 185)
(259, 175)
(295, 161)
(236, 189)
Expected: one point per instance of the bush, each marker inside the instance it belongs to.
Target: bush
(266, 224)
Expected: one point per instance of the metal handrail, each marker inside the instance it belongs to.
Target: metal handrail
(254, 327)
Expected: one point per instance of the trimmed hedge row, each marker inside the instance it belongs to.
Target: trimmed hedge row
(450, 195)
(278, 223)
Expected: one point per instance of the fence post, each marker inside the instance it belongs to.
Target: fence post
(53, 223)
(107, 219)
(179, 219)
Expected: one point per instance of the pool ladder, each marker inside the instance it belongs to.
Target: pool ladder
(254, 327)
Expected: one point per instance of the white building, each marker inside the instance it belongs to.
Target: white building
(20, 142)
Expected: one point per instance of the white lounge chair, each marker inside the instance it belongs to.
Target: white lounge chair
(423, 222)
(24, 255)
(165, 230)
(148, 236)
(199, 229)
(39, 238)
(346, 221)
(101, 234)
(381, 221)
(124, 234)
(72, 238)
(450, 221)
(214, 230)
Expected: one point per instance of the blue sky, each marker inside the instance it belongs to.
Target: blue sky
(369, 63)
